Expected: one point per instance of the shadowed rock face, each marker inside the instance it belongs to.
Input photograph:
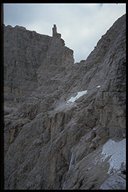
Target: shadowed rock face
(51, 143)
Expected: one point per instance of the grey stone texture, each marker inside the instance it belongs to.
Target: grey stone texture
(50, 144)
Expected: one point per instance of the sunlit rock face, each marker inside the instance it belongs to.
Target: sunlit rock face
(64, 120)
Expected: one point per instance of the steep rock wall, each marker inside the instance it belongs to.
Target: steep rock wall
(58, 144)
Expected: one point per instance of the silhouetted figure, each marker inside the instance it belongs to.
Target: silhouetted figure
(54, 30)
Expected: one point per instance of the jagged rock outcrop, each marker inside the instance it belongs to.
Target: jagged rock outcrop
(50, 141)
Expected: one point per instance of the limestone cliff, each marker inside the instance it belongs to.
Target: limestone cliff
(63, 119)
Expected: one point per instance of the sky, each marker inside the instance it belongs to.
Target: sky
(81, 25)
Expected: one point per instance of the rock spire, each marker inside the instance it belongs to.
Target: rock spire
(54, 32)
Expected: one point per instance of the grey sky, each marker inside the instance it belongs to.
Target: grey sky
(80, 25)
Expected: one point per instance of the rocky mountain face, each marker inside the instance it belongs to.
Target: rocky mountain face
(64, 121)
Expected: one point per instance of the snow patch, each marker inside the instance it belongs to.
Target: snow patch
(116, 151)
(79, 94)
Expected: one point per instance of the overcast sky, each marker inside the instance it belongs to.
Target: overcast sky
(80, 25)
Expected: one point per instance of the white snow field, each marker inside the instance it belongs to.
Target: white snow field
(116, 151)
(79, 94)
